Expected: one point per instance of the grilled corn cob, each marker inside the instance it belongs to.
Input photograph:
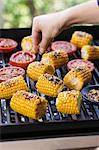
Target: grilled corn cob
(90, 52)
(79, 39)
(49, 85)
(9, 87)
(77, 78)
(27, 44)
(28, 104)
(69, 102)
(36, 69)
(56, 58)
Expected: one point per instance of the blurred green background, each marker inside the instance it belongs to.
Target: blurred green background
(20, 13)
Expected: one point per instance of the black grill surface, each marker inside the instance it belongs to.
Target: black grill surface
(14, 125)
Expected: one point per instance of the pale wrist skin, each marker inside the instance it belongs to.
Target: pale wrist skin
(46, 27)
(86, 13)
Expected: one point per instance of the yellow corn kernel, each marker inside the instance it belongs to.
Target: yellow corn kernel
(90, 52)
(56, 58)
(28, 104)
(79, 39)
(49, 85)
(69, 102)
(27, 44)
(9, 87)
(77, 78)
(36, 69)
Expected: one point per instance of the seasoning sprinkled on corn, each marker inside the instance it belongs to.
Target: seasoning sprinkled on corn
(49, 85)
(69, 102)
(36, 69)
(56, 58)
(28, 104)
(90, 52)
(79, 39)
(10, 86)
(77, 78)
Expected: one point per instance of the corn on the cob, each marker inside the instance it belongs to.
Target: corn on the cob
(28, 104)
(9, 87)
(79, 39)
(49, 85)
(90, 52)
(69, 102)
(36, 69)
(56, 58)
(27, 44)
(77, 78)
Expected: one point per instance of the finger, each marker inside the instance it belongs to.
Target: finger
(44, 44)
(36, 35)
(36, 40)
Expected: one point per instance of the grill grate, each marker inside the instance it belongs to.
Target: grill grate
(9, 118)
(88, 111)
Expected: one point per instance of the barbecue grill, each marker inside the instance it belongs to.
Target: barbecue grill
(54, 124)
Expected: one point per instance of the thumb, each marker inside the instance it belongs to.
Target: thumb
(45, 42)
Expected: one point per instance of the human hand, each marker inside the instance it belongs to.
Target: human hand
(45, 28)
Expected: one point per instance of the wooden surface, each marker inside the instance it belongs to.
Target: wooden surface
(53, 143)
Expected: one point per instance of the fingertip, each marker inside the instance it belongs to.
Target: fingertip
(44, 44)
(35, 49)
(41, 51)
